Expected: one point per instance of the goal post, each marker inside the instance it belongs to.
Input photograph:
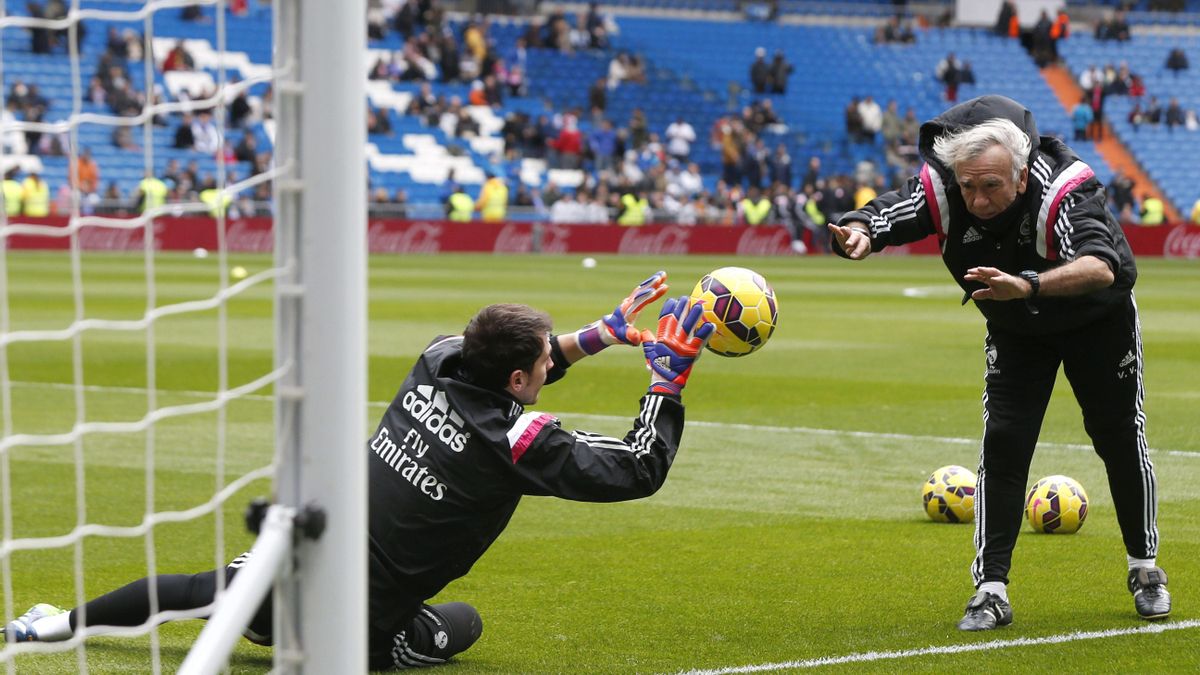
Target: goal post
(312, 545)
(320, 604)
(321, 235)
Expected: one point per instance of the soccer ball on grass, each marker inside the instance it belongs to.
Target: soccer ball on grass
(949, 495)
(743, 307)
(1056, 505)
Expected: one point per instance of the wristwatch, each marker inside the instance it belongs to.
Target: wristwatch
(1035, 282)
(1035, 285)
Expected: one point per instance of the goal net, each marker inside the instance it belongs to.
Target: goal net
(182, 325)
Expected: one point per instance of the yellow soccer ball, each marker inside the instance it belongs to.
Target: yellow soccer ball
(743, 307)
(949, 495)
(1056, 505)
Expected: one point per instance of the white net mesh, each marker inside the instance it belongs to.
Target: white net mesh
(134, 379)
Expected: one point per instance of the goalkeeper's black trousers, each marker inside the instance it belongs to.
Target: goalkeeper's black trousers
(430, 635)
(1103, 363)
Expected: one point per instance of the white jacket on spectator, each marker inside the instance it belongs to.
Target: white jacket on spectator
(680, 136)
(871, 114)
(205, 136)
(595, 211)
(14, 141)
(567, 210)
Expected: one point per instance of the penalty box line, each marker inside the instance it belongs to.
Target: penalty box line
(866, 657)
(740, 426)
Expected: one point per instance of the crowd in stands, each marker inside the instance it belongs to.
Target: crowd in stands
(1098, 84)
(631, 172)
(1117, 80)
(1088, 116)
(634, 173)
(112, 87)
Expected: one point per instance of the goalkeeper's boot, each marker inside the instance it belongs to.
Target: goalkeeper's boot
(1150, 595)
(986, 611)
(24, 629)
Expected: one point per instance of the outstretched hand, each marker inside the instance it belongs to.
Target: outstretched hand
(1000, 285)
(854, 239)
(671, 352)
(618, 327)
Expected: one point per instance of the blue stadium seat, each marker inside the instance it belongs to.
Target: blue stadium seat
(1168, 157)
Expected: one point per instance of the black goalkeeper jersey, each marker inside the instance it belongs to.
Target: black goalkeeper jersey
(450, 461)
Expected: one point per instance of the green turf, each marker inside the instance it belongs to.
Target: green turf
(789, 530)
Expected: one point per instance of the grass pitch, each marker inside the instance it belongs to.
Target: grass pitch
(788, 536)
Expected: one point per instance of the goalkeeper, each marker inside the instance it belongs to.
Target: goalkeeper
(451, 458)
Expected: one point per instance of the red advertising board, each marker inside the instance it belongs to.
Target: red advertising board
(390, 236)
(254, 235)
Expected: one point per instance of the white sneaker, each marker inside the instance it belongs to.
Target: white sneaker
(23, 629)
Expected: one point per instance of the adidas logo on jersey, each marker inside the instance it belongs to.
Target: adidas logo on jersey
(1129, 358)
(972, 235)
(428, 407)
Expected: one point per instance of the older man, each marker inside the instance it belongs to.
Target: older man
(1023, 229)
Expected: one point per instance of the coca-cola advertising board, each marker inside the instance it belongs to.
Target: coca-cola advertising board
(254, 235)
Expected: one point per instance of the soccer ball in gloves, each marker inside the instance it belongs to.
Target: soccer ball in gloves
(743, 307)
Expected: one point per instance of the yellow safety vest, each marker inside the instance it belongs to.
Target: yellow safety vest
(1153, 212)
(814, 212)
(461, 207)
(36, 197)
(12, 197)
(493, 200)
(1196, 212)
(212, 198)
(635, 210)
(756, 213)
(154, 193)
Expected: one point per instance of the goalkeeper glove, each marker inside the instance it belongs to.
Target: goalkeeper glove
(682, 333)
(618, 328)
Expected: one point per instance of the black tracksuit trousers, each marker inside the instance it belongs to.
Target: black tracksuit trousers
(1103, 363)
(431, 633)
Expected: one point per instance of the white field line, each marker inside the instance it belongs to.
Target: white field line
(945, 291)
(863, 657)
(761, 428)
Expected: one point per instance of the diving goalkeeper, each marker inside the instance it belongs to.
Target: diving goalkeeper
(449, 462)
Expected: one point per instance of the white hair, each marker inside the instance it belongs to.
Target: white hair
(971, 142)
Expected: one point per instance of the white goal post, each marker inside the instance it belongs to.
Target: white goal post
(320, 309)
(312, 546)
